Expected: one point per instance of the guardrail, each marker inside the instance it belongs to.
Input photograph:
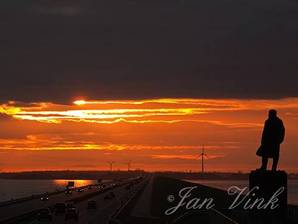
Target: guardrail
(293, 213)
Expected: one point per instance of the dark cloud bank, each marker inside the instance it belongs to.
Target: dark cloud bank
(56, 50)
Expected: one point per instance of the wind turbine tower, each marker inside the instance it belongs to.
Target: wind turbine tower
(203, 155)
(111, 165)
(128, 165)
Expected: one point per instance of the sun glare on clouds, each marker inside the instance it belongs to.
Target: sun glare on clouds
(155, 132)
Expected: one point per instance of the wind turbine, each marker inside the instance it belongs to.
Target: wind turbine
(203, 155)
(111, 163)
(128, 165)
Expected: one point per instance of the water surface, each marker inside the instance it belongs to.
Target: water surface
(12, 189)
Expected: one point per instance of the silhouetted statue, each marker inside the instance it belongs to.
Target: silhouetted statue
(273, 136)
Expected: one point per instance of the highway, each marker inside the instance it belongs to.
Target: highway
(105, 209)
(17, 209)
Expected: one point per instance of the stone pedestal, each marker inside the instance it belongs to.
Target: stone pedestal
(269, 183)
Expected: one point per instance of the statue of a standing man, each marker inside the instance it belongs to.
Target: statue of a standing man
(273, 136)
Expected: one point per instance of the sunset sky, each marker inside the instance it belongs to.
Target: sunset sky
(160, 134)
(84, 82)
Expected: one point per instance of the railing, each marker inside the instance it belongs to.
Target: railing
(293, 213)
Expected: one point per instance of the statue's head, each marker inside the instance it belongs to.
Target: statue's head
(272, 113)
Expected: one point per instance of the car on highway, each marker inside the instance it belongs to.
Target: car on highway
(70, 205)
(44, 214)
(101, 187)
(72, 213)
(44, 198)
(59, 208)
(68, 192)
(109, 196)
(91, 204)
(80, 190)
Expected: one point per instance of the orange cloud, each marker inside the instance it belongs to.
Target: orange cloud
(155, 133)
(146, 111)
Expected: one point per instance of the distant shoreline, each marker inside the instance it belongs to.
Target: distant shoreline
(96, 175)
